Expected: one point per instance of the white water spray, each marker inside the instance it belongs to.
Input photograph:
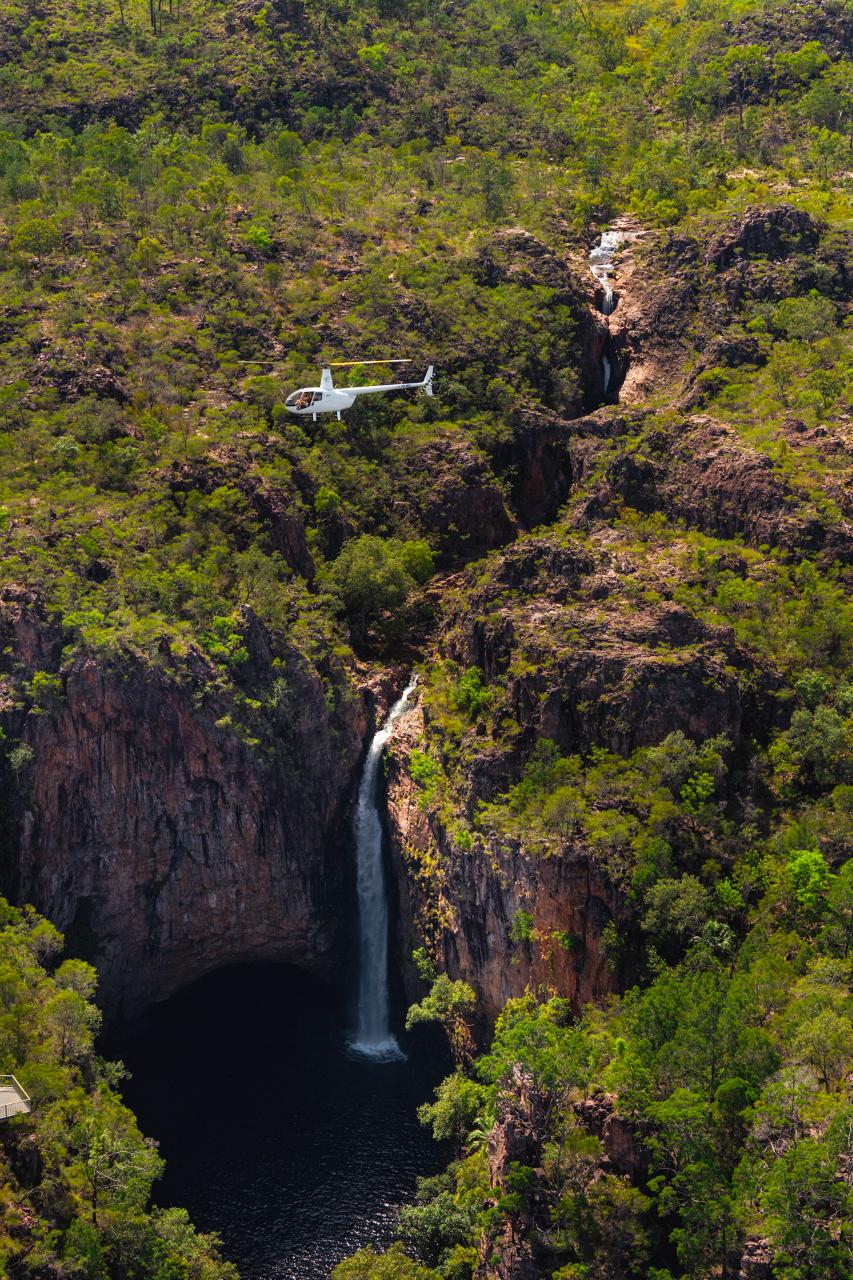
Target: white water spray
(374, 1038)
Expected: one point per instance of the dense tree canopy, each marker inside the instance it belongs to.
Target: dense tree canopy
(77, 1173)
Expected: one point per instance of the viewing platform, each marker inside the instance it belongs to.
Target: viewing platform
(13, 1100)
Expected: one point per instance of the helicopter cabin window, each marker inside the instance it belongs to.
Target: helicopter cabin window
(301, 399)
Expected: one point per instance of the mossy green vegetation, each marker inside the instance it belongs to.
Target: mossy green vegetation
(76, 1172)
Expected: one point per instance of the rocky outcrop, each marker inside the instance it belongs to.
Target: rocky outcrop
(537, 465)
(755, 1261)
(161, 834)
(576, 666)
(464, 901)
(623, 1150)
(700, 470)
(719, 484)
(789, 27)
(447, 490)
(677, 294)
(730, 351)
(777, 232)
(520, 1246)
(73, 374)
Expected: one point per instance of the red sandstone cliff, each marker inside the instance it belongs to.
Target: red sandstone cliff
(154, 835)
(463, 903)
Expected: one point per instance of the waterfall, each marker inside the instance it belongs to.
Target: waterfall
(601, 265)
(373, 1037)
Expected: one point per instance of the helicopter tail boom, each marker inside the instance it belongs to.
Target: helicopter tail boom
(425, 384)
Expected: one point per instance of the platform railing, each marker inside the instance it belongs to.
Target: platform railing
(22, 1106)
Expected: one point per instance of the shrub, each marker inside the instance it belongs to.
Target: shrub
(20, 756)
(470, 694)
(522, 927)
(38, 236)
(258, 236)
(805, 319)
(808, 876)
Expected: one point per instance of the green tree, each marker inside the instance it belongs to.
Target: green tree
(451, 1004)
(495, 179)
(371, 578)
(72, 1021)
(37, 236)
(393, 1265)
(806, 1205)
(743, 64)
(458, 1100)
(535, 1037)
(808, 877)
(563, 811)
(120, 1167)
(838, 933)
(825, 1042)
(805, 319)
(417, 559)
(436, 1223)
(620, 1235)
(676, 910)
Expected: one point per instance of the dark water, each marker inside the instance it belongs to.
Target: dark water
(296, 1152)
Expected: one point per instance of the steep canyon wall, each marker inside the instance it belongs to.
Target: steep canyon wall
(155, 837)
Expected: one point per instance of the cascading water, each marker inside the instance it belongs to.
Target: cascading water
(601, 265)
(605, 374)
(373, 1037)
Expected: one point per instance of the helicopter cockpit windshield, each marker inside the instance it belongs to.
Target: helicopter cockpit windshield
(303, 398)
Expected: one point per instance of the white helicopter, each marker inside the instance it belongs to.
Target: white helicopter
(327, 398)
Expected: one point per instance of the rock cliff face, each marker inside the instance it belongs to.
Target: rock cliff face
(461, 507)
(162, 843)
(464, 903)
(697, 469)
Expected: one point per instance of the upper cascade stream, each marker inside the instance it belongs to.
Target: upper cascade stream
(601, 265)
(373, 1037)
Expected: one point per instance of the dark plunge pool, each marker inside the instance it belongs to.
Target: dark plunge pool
(274, 1136)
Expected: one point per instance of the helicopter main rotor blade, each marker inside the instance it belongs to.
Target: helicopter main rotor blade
(332, 364)
(348, 364)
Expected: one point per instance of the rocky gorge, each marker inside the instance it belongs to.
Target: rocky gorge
(166, 839)
(425, 827)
